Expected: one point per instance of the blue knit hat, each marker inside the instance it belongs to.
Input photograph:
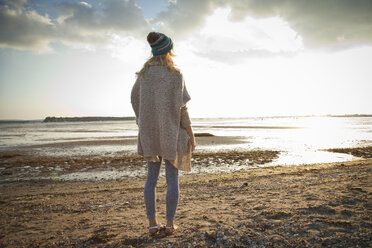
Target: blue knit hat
(160, 43)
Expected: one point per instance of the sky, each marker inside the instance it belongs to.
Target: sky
(239, 58)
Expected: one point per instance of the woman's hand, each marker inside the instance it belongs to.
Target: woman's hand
(192, 143)
(192, 138)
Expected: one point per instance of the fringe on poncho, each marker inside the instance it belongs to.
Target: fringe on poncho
(159, 100)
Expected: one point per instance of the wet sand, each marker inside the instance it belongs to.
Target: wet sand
(320, 205)
(23, 167)
(71, 160)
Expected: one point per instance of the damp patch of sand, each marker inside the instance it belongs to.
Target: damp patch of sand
(17, 166)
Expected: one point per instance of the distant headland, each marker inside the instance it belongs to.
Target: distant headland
(87, 118)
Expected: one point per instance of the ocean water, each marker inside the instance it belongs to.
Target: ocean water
(300, 139)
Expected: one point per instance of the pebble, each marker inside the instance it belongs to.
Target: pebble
(244, 185)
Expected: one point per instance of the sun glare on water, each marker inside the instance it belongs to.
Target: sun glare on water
(326, 132)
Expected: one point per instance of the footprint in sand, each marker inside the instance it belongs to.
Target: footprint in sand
(323, 210)
(347, 213)
(347, 200)
(355, 190)
(276, 215)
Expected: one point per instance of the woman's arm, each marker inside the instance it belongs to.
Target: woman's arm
(186, 124)
(135, 98)
(192, 137)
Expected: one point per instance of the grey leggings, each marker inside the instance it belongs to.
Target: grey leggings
(172, 189)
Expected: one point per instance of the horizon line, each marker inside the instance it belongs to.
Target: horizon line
(210, 117)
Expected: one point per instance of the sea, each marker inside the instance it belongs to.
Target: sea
(300, 139)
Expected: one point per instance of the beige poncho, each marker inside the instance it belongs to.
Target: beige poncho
(159, 100)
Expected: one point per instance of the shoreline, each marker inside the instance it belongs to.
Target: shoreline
(202, 138)
(26, 166)
(284, 206)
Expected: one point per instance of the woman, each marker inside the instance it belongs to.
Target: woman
(159, 98)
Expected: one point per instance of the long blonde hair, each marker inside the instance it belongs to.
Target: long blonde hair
(163, 59)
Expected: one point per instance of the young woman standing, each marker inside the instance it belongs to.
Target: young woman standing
(159, 98)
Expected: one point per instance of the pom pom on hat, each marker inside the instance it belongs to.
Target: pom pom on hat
(160, 43)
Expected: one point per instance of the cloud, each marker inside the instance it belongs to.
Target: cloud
(20, 29)
(183, 16)
(221, 39)
(76, 23)
(331, 23)
(321, 24)
(117, 15)
(15, 3)
(236, 57)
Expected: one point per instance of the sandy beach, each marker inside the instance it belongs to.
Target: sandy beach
(319, 205)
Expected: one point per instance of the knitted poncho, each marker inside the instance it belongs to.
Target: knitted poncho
(159, 100)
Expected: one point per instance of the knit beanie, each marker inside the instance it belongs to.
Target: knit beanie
(160, 43)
